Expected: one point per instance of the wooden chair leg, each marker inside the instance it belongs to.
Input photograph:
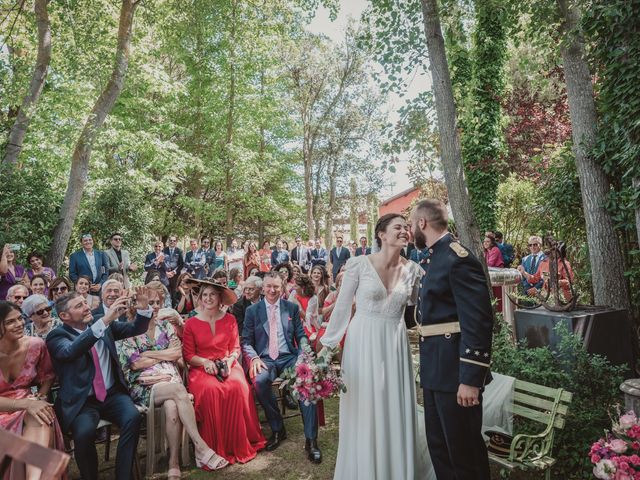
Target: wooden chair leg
(107, 444)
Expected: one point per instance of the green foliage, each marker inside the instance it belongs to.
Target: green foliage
(593, 381)
(518, 210)
(28, 208)
(612, 28)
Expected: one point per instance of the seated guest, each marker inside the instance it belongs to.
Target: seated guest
(156, 261)
(184, 299)
(235, 279)
(82, 286)
(36, 261)
(251, 293)
(251, 259)
(39, 285)
(17, 294)
(225, 408)
(327, 309)
(92, 385)
(493, 257)
(306, 300)
(118, 277)
(38, 310)
(530, 265)
(156, 276)
(221, 278)
(89, 262)
(265, 256)
(10, 273)
(150, 361)
(565, 273)
(272, 337)
(25, 367)
(286, 274)
(111, 291)
(321, 282)
(506, 249)
(59, 286)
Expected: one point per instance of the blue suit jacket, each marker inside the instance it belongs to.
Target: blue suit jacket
(73, 363)
(527, 264)
(78, 265)
(255, 331)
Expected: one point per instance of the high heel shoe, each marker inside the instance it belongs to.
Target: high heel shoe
(210, 461)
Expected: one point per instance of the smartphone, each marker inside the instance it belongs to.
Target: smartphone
(14, 247)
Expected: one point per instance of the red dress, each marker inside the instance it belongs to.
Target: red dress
(225, 411)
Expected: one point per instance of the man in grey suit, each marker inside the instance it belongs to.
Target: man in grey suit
(118, 259)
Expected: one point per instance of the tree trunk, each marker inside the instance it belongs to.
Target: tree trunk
(308, 190)
(30, 101)
(463, 215)
(230, 204)
(353, 210)
(636, 186)
(605, 253)
(82, 152)
(328, 234)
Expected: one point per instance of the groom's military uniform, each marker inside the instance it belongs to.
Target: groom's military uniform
(455, 319)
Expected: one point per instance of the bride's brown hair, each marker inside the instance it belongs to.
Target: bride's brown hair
(382, 224)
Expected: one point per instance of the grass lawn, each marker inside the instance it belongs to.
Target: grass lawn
(288, 462)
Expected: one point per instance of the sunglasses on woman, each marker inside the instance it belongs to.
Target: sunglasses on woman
(42, 310)
(60, 289)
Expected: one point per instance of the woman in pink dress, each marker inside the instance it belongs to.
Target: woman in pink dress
(26, 375)
(225, 408)
(493, 257)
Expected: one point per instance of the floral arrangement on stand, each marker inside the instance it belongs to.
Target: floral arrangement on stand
(313, 378)
(616, 456)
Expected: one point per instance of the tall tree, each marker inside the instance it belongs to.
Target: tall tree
(466, 223)
(82, 151)
(605, 254)
(30, 101)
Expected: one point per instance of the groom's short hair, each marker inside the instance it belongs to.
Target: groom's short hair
(435, 212)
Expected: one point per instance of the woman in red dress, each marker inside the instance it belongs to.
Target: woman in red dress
(493, 257)
(251, 260)
(225, 410)
(305, 297)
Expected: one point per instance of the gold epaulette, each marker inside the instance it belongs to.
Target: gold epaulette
(459, 249)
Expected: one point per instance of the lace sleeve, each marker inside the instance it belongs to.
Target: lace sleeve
(341, 313)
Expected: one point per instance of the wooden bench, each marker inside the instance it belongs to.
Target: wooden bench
(546, 406)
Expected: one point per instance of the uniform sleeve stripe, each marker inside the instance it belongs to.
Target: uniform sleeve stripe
(475, 362)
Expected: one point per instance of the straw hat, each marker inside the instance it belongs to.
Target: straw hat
(227, 296)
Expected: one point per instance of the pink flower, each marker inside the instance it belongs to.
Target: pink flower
(618, 446)
(595, 458)
(628, 420)
(325, 389)
(303, 371)
(604, 470)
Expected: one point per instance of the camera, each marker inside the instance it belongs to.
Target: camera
(223, 369)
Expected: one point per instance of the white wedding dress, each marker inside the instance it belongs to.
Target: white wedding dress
(378, 415)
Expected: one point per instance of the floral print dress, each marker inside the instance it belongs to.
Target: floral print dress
(130, 350)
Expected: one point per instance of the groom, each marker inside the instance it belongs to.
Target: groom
(455, 321)
(272, 336)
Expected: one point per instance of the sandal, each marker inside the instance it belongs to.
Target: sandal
(173, 474)
(211, 461)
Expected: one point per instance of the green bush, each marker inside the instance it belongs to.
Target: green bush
(593, 381)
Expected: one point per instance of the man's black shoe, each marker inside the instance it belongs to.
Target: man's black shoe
(313, 452)
(275, 440)
(290, 402)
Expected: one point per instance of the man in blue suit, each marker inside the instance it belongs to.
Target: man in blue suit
(272, 336)
(530, 265)
(363, 249)
(92, 263)
(92, 385)
(339, 256)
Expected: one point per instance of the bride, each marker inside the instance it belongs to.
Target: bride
(378, 418)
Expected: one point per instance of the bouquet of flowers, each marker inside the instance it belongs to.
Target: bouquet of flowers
(616, 456)
(312, 379)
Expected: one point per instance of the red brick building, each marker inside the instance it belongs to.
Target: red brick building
(399, 202)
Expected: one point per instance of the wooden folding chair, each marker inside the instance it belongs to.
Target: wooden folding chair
(16, 453)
